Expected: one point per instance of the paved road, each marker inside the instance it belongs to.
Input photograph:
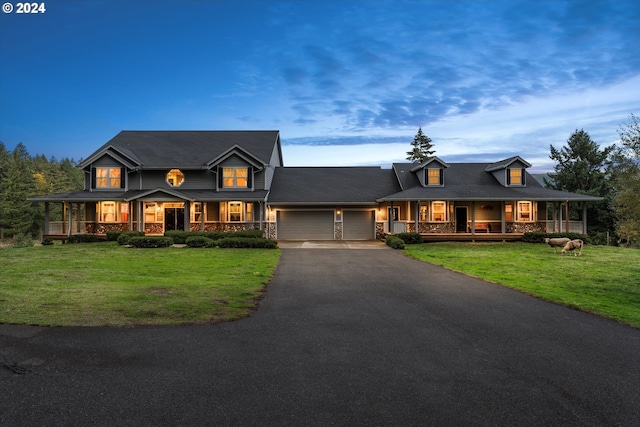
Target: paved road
(344, 337)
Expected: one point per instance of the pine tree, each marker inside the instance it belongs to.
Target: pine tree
(421, 148)
(17, 215)
(581, 168)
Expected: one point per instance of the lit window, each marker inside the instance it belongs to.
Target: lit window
(175, 178)
(524, 212)
(235, 211)
(108, 212)
(515, 177)
(235, 177)
(438, 211)
(108, 177)
(434, 177)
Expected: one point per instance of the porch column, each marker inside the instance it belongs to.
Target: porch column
(390, 213)
(503, 218)
(567, 216)
(417, 230)
(46, 217)
(69, 211)
(203, 209)
(187, 216)
(473, 217)
(584, 218)
(140, 216)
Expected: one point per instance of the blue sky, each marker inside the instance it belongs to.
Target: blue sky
(346, 82)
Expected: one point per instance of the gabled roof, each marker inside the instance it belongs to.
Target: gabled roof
(503, 164)
(331, 185)
(428, 162)
(405, 175)
(471, 181)
(240, 152)
(187, 149)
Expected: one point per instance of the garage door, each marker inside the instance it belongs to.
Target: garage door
(305, 225)
(358, 225)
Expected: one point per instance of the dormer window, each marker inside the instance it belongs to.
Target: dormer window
(235, 177)
(515, 176)
(175, 177)
(434, 177)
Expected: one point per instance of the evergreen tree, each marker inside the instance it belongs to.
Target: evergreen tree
(581, 168)
(626, 201)
(421, 148)
(17, 215)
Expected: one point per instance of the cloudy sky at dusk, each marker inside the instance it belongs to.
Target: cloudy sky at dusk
(346, 82)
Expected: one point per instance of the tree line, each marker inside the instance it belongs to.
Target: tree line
(582, 166)
(23, 176)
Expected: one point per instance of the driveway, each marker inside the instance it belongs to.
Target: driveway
(343, 337)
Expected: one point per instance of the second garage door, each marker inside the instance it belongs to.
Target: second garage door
(359, 225)
(305, 225)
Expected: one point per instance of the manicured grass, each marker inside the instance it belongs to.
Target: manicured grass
(604, 280)
(106, 284)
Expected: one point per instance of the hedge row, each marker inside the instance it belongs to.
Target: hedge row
(539, 236)
(85, 238)
(124, 238)
(409, 238)
(150, 242)
(180, 237)
(231, 242)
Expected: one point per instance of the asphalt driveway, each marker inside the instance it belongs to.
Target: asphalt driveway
(343, 337)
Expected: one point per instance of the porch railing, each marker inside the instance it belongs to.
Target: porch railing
(62, 228)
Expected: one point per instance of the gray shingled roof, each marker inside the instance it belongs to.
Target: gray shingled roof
(187, 149)
(470, 181)
(331, 185)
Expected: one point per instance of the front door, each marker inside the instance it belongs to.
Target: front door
(461, 219)
(173, 219)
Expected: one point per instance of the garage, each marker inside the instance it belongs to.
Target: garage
(359, 225)
(305, 225)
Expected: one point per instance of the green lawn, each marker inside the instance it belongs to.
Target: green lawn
(604, 280)
(106, 284)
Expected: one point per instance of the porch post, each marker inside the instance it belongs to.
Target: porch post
(46, 217)
(391, 218)
(203, 209)
(417, 230)
(186, 226)
(584, 218)
(473, 217)
(503, 219)
(70, 216)
(567, 216)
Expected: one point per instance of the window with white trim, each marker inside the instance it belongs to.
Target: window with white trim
(235, 211)
(438, 212)
(524, 212)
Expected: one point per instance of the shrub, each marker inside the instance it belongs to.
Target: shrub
(395, 242)
(126, 236)
(179, 236)
(151, 242)
(246, 242)
(199, 242)
(254, 234)
(410, 238)
(47, 242)
(85, 238)
(112, 236)
(22, 240)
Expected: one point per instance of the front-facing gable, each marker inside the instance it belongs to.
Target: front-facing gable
(431, 171)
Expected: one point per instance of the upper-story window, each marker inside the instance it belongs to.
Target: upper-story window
(175, 177)
(108, 177)
(434, 177)
(235, 177)
(514, 176)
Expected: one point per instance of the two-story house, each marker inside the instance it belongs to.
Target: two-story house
(155, 181)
